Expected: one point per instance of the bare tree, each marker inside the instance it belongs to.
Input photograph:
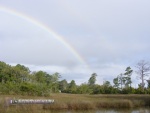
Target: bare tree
(143, 69)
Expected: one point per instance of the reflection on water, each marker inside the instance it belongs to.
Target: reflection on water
(137, 110)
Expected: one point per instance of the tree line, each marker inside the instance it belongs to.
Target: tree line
(20, 80)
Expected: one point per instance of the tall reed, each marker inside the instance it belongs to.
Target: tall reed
(74, 102)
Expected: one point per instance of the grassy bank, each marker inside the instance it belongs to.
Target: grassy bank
(86, 102)
(75, 102)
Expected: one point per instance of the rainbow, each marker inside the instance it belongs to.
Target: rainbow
(46, 28)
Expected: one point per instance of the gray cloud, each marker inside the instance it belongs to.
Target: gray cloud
(108, 35)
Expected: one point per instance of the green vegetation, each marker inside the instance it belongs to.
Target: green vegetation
(19, 80)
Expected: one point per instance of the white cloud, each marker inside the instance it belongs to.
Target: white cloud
(108, 35)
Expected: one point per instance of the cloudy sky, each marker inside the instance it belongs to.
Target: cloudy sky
(75, 37)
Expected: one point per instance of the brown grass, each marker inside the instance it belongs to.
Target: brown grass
(75, 102)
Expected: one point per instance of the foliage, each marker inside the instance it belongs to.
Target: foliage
(72, 87)
(127, 76)
(92, 79)
(84, 89)
(148, 81)
(63, 85)
(20, 80)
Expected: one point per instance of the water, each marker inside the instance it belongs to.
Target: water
(137, 110)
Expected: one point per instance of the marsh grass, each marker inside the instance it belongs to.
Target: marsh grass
(75, 102)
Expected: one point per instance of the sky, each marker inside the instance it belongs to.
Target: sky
(76, 37)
